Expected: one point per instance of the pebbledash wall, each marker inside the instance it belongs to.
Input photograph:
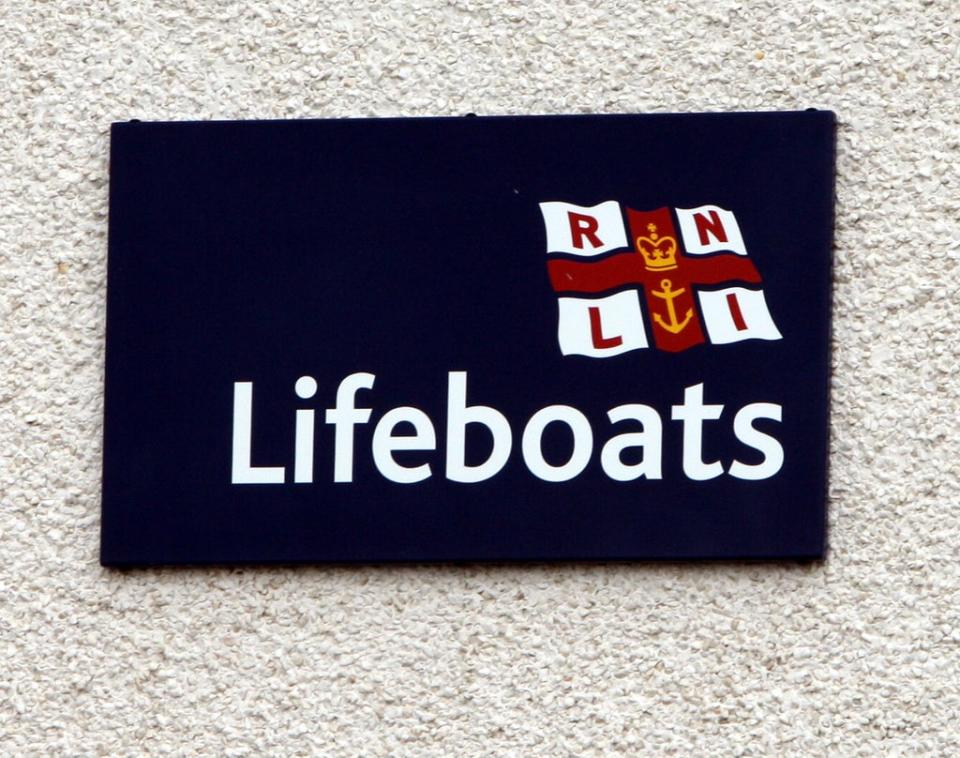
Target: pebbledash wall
(859, 655)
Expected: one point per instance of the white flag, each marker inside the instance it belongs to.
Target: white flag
(710, 229)
(736, 313)
(583, 230)
(601, 327)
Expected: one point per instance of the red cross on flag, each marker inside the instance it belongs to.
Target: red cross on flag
(689, 265)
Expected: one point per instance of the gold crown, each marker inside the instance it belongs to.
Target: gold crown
(659, 253)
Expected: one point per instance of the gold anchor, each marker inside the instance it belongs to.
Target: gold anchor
(668, 294)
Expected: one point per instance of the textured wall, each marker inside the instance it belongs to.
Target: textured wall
(859, 655)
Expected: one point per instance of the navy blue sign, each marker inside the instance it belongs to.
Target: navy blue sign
(539, 338)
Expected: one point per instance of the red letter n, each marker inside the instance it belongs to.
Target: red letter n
(583, 226)
(714, 226)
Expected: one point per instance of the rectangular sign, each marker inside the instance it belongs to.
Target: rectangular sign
(504, 338)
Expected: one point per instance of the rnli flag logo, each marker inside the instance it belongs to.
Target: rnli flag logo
(673, 278)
